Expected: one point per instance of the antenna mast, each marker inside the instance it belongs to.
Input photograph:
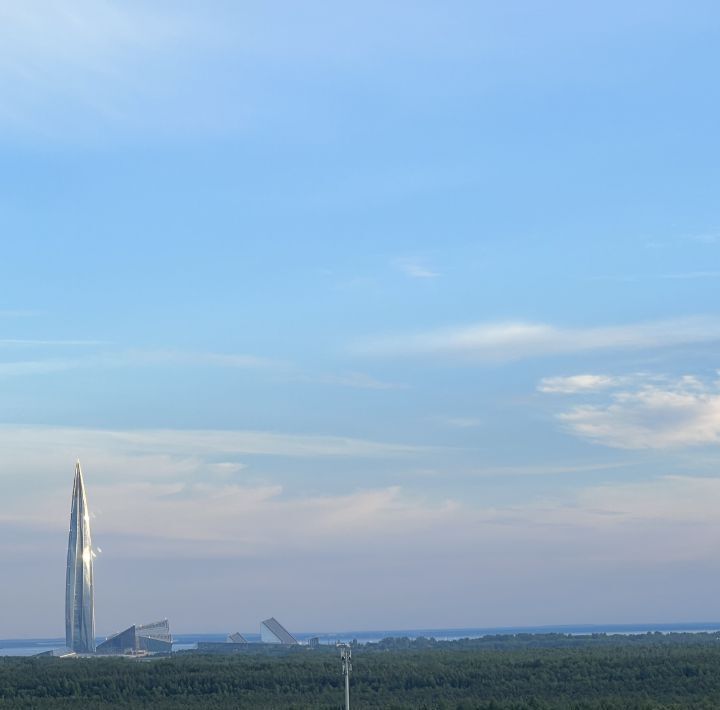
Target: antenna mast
(346, 657)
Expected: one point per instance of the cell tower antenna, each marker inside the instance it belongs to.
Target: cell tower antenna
(346, 657)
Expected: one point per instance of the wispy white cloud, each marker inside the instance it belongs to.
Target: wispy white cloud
(416, 269)
(30, 342)
(139, 358)
(573, 384)
(517, 340)
(709, 237)
(66, 443)
(357, 380)
(548, 469)
(667, 276)
(69, 72)
(35, 367)
(180, 357)
(683, 412)
(17, 313)
(82, 56)
(230, 519)
(159, 358)
(257, 442)
(130, 358)
(33, 31)
(706, 237)
(155, 481)
(689, 275)
(460, 422)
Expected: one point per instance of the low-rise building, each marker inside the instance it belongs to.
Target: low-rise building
(143, 638)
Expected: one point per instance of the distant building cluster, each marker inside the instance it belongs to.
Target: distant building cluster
(272, 633)
(138, 639)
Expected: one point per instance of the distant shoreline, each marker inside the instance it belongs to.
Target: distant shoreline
(30, 646)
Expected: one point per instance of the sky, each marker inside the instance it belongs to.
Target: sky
(362, 315)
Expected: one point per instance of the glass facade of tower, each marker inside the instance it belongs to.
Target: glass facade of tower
(79, 604)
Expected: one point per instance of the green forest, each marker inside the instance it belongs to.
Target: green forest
(500, 672)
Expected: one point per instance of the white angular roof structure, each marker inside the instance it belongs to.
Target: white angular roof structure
(272, 631)
(150, 638)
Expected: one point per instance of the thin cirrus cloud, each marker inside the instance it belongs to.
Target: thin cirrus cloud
(667, 276)
(651, 415)
(128, 358)
(706, 237)
(23, 368)
(233, 516)
(574, 384)
(460, 422)
(356, 380)
(66, 443)
(155, 358)
(546, 470)
(416, 270)
(34, 342)
(172, 469)
(17, 313)
(519, 340)
(80, 56)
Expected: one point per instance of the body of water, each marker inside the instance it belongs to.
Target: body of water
(30, 647)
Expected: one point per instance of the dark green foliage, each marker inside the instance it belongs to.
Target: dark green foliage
(521, 672)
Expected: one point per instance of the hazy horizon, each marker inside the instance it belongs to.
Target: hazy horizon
(331, 636)
(361, 316)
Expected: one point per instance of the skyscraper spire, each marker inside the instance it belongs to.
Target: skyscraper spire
(79, 603)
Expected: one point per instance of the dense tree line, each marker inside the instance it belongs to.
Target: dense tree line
(500, 673)
(550, 640)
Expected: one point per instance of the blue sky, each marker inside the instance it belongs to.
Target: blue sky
(419, 299)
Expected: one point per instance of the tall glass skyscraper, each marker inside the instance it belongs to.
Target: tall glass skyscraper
(79, 604)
